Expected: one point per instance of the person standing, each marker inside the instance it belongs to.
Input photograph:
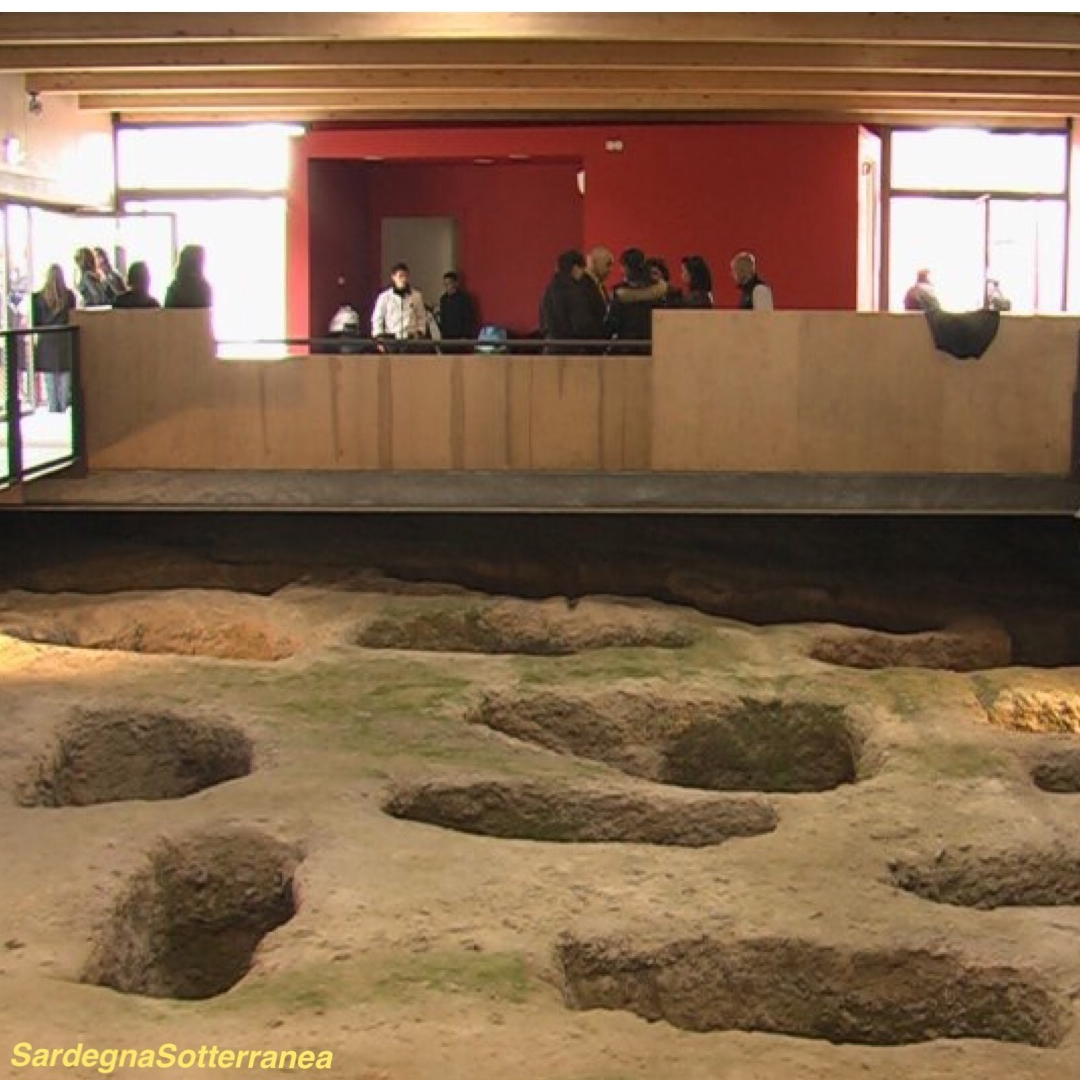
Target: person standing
(88, 282)
(754, 293)
(564, 307)
(399, 312)
(629, 316)
(189, 288)
(457, 313)
(922, 296)
(50, 307)
(697, 277)
(598, 267)
(137, 294)
(113, 282)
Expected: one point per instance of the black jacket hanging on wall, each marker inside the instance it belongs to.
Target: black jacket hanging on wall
(966, 335)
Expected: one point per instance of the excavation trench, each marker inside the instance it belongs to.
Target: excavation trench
(883, 997)
(113, 755)
(1059, 772)
(506, 626)
(971, 646)
(182, 623)
(189, 922)
(716, 744)
(537, 810)
(1030, 877)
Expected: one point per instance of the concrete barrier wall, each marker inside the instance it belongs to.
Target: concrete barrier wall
(801, 392)
(158, 398)
(810, 392)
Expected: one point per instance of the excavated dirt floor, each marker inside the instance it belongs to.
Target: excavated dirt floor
(452, 835)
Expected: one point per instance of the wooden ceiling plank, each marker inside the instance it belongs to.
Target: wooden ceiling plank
(314, 82)
(913, 119)
(955, 27)
(451, 102)
(151, 58)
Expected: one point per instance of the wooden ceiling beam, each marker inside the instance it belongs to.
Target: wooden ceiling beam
(523, 103)
(496, 79)
(912, 119)
(944, 28)
(396, 55)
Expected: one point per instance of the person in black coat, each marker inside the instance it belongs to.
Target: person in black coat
(189, 289)
(137, 294)
(630, 314)
(457, 313)
(564, 309)
(52, 306)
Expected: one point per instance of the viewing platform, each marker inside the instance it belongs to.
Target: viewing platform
(733, 412)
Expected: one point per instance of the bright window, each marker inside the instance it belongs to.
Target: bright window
(251, 158)
(225, 186)
(955, 159)
(978, 206)
(245, 259)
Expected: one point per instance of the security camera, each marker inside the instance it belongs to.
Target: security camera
(34, 105)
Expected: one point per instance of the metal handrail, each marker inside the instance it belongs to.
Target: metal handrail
(420, 345)
(12, 414)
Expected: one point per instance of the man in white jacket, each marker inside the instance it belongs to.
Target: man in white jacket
(399, 310)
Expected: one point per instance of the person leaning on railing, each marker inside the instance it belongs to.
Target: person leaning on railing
(52, 306)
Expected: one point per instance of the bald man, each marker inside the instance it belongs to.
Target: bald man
(755, 295)
(598, 266)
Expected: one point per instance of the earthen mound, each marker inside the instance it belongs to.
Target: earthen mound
(1037, 711)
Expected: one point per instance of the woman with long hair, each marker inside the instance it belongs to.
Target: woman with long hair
(113, 282)
(90, 284)
(52, 306)
(188, 288)
(697, 277)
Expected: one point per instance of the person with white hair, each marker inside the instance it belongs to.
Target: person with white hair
(755, 294)
(922, 296)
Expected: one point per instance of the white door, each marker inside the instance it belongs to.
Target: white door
(427, 244)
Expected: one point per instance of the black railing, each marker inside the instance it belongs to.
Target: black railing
(41, 411)
(346, 345)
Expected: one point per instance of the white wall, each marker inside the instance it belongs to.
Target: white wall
(870, 209)
(67, 153)
(1072, 303)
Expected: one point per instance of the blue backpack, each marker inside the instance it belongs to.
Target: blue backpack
(491, 339)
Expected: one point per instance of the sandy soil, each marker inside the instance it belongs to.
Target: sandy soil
(419, 951)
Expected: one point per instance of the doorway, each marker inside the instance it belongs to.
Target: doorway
(428, 244)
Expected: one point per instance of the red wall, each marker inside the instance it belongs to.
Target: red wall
(337, 240)
(788, 192)
(497, 207)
